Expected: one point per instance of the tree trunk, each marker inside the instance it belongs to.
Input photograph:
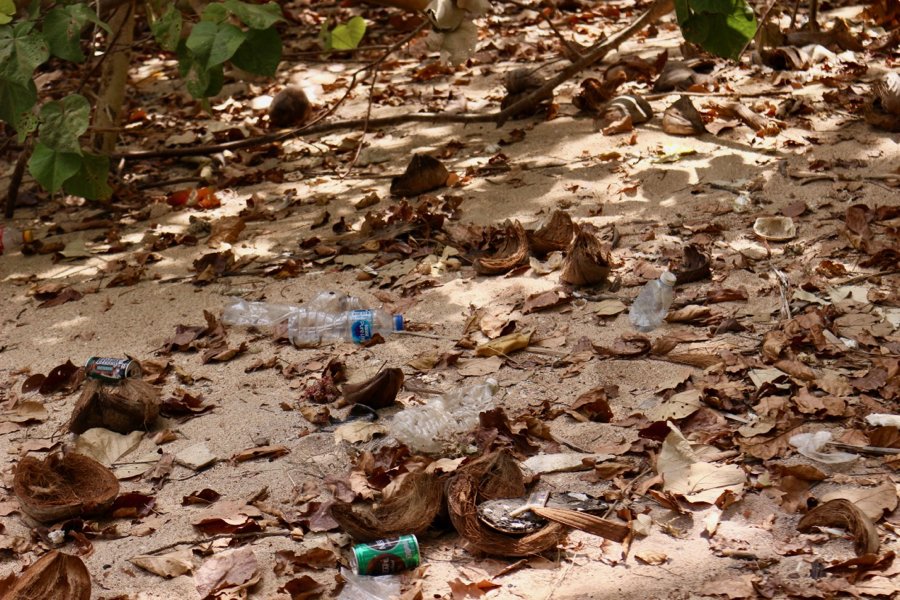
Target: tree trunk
(114, 79)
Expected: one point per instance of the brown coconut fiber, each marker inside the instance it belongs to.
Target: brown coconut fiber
(410, 509)
(132, 405)
(63, 486)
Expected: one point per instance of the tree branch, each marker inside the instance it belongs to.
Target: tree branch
(657, 10)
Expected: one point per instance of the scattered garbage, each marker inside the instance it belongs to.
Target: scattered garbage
(386, 557)
(649, 309)
(775, 229)
(516, 516)
(810, 445)
(328, 317)
(883, 420)
(112, 369)
(743, 202)
(63, 486)
(12, 238)
(427, 428)
(364, 587)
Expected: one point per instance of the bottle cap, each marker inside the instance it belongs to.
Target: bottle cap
(667, 278)
(28, 236)
(398, 322)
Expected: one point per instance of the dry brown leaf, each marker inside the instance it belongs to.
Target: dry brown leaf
(874, 502)
(594, 405)
(505, 345)
(270, 452)
(685, 473)
(358, 431)
(232, 570)
(168, 565)
(651, 558)
(679, 406)
(225, 230)
(735, 588)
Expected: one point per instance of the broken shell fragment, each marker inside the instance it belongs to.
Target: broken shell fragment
(775, 229)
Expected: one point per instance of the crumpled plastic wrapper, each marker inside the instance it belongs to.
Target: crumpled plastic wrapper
(883, 420)
(810, 445)
(455, 33)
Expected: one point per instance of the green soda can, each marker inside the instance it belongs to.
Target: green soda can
(111, 369)
(386, 556)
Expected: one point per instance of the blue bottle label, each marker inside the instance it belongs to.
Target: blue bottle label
(361, 322)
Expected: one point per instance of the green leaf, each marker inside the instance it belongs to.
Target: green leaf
(167, 29)
(214, 43)
(91, 180)
(7, 11)
(62, 30)
(62, 123)
(260, 53)
(255, 16)
(214, 13)
(347, 36)
(16, 101)
(21, 52)
(51, 168)
(722, 27)
(202, 82)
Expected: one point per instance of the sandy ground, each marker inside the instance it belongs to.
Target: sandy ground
(553, 158)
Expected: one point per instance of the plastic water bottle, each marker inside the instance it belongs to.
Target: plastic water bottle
(327, 317)
(12, 238)
(649, 309)
(312, 327)
(426, 428)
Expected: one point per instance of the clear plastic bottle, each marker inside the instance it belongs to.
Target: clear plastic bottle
(649, 309)
(327, 317)
(12, 238)
(426, 428)
(312, 327)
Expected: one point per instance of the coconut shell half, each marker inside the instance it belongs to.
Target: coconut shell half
(55, 575)
(63, 486)
(512, 252)
(410, 509)
(131, 405)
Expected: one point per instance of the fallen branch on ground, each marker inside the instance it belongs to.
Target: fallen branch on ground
(657, 10)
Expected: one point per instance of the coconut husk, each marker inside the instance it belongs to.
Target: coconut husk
(587, 260)
(462, 500)
(592, 524)
(63, 486)
(498, 476)
(682, 118)
(553, 236)
(131, 405)
(378, 392)
(512, 253)
(843, 513)
(55, 576)
(410, 509)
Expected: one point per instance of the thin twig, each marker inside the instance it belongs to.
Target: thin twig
(365, 129)
(219, 536)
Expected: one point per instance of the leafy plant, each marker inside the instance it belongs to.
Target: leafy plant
(722, 27)
(230, 30)
(345, 36)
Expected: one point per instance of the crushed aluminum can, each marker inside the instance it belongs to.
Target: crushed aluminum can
(111, 369)
(385, 557)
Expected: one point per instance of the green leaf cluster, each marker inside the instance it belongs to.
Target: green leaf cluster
(722, 27)
(57, 161)
(255, 47)
(345, 36)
